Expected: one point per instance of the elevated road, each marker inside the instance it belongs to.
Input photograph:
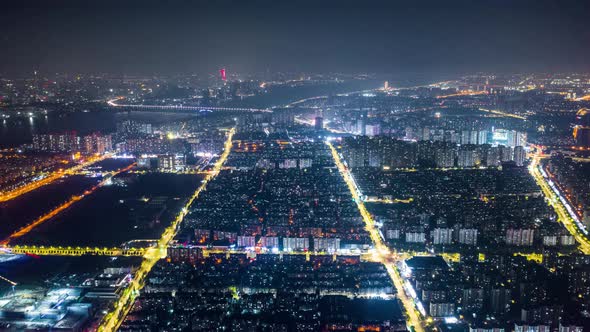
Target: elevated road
(115, 251)
(365, 256)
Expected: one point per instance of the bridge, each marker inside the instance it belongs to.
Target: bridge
(72, 251)
(113, 103)
(366, 256)
(115, 251)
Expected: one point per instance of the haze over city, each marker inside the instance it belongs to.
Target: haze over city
(386, 37)
(295, 166)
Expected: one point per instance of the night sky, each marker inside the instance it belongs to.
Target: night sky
(403, 37)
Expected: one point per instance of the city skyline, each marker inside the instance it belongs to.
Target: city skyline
(297, 166)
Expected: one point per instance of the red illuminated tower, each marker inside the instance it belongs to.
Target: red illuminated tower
(222, 73)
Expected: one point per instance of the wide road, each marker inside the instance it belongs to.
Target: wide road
(504, 114)
(66, 205)
(559, 205)
(50, 178)
(383, 254)
(121, 307)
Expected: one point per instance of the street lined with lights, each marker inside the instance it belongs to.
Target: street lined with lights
(121, 307)
(508, 115)
(463, 93)
(50, 178)
(382, 252)
(51, 214)
(565, 214)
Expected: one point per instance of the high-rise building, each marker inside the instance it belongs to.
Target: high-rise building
(466, 137)
(284, 117)
(442, 236)
(415, 237)
(425, 134)
(41, 142)
(443, 309)
(246, 241)
(472, 298)
(326, 244)
(499, 299)
(171, 162)
(437, 135)
(511, 137)
(582, 136)
(467, 236)
(363, 122)
(68, 142)
(444, 157)
(295, 243)
(97, 143)
(582, 128)
(372, 129)
(520, 237)
(506, 153)
(466, 157)
(519, 155)
(269, 242)
(319, 123)
(520, 139)
(482, 137)
(60, 142)
(492, 157)
(131, 128)
(473, 137)
(586, 217)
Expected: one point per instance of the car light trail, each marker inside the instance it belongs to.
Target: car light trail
(121, 307)
(383, 253)
(26, 229)
(463, 93)
(583, 98)
(508, 115)
(565, 214)
(47, 180)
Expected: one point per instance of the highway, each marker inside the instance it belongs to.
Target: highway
(121, 307)
(463, 93)
(49, 179)
(567, 218)
(388, 201)
(49, 215)
(382, 252)
(508, 115)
